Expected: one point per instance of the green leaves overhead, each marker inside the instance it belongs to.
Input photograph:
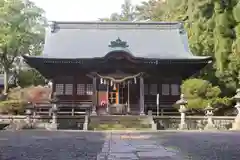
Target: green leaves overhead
(21, 31)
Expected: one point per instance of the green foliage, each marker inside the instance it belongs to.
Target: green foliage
(12, 107)
(213, 28)
(236, 12)
(201, 92)
(30, 77)
(127, 13)
(21, 32)
(18, 98)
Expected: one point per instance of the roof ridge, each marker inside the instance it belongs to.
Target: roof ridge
(56, 25)
(118, 22)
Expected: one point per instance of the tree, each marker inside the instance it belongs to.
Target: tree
(200, 92)
(127, 13)
(21, 32)
(213, 30)
(30, 77)
(148, 10)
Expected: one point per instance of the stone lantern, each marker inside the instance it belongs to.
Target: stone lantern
(209, 113)
(182, 109)
(236, 123)
(54, 110)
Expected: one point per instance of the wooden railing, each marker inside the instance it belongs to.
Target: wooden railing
(65, 108)
(163, 109)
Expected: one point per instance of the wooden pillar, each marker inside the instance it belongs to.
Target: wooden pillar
(94, 96)
(117, 93)
(128, 101)
(142, 96)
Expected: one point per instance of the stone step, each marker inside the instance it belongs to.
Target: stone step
(119, 122)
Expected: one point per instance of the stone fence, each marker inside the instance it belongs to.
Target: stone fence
(193, 122)
(162, 122)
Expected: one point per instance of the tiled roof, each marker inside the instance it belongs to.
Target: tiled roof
(159, 40)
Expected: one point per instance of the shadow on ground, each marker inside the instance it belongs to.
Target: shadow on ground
(202, 146)
(43, 145)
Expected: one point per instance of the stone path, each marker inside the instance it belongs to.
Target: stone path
(133, 147)
(44, 145)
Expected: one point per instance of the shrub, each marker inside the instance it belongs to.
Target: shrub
(201, 92)
(30, 77)
(12, 107)
(18, 98)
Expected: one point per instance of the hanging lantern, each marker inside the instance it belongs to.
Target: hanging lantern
(135, 80)
(101, 81)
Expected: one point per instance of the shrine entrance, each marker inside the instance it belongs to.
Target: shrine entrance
(119, 98)
(118, 94)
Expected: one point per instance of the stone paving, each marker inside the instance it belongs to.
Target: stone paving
(60, 145)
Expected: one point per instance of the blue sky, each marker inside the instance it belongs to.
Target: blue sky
(80, 10)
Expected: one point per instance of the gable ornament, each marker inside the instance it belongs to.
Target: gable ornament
(118, 43)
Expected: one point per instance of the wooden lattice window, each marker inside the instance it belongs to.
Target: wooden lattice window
(59, 89)
(153, 89)
(175, 89)
(89, 89)
(145, 89)
(68, 89)
(80, 89)
(165, 89)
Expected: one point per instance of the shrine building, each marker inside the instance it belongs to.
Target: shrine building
(117, 63)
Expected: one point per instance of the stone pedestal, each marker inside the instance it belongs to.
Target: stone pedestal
(183, 125)
(209, 113)
(151, 121)
(210, 125)
(182, 109)
(85, 125)
(53, 125)
(236, 123)
(28, 119)
(94, 113)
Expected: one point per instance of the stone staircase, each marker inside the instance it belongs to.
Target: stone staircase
(71, 122)
(3, 125)
(126, 122)
(134, 109)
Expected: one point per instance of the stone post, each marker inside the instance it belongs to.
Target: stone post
(182, 109)
(85, 125)
(54, 111)
(151, 120)
(209, 113)
(54, 114)
(236, 123)
(28, 117)
(29, 112)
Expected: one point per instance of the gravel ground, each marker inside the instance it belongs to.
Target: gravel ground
(60, 145)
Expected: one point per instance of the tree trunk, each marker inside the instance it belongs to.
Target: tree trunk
(6, 76)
